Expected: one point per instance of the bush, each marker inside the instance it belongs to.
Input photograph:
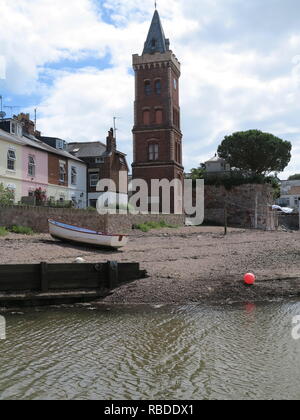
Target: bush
(3, 231)
(91, 209)
(6, 196)
(22, 230)
(147, 226)
(237, 178)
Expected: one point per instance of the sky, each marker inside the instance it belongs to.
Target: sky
(72, 60)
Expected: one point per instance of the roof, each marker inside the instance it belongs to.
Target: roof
(10, 137)
(216, 158)
(89, 149)
(34, 142)
(156, 40)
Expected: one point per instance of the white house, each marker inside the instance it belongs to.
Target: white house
(77, 183)
(217, 166)
(290, 194)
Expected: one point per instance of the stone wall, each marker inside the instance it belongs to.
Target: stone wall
(289, 221)
(247, 206)
(37, 219)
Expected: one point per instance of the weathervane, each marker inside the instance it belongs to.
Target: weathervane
(155, 4)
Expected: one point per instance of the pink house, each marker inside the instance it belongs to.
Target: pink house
(35, 170)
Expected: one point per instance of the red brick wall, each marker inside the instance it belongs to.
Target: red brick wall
(53, 170)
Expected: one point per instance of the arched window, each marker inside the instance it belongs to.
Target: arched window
(147, 85)
(158, 87)
(146, 117)
(31, 166)
(158, 116)
(153, 151)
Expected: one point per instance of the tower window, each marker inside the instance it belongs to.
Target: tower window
(158, 87)
(148, 90)
(153, 43)
(153, 151)
(158, 116)
(146, 117)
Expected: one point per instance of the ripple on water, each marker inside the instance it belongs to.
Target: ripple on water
(187, 352)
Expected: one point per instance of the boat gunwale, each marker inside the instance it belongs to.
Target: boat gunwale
(53, 222)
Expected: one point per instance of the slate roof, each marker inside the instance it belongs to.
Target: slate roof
(34, 142)
(156, 40)
(89, 149)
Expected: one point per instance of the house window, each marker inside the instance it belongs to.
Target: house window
(99, 160)
(158, 116)
(146, 117)
(31, 166)
(94, 178)
(60, 144)
(73, 175)
(11, 160)
(175, 84)
(158, 87)
(62, 172)
(148, 90)
(153, 151)
(13, 128)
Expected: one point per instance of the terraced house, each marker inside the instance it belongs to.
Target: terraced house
(27, 163)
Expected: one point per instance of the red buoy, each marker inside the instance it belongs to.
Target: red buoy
(249, 279)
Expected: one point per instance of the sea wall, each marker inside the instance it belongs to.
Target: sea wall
(37, 218)
(245, 206)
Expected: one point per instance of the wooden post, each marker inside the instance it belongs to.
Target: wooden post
(255, 212)
(43, 276)
(113, 274)
(225, 219)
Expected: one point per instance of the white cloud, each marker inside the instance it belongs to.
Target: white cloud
(240, 66)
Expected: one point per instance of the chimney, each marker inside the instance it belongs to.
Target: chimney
(111, 145)
(28, 125)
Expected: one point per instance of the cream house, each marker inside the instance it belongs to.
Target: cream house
(11, 159)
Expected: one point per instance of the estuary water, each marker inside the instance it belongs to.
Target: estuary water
(143, 352)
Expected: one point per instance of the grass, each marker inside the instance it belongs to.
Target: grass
(3, 231)
(22, 230)
(146, 227)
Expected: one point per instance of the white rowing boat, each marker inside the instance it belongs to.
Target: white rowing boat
(76, 234)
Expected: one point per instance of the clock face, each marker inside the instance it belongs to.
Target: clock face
(175, 84)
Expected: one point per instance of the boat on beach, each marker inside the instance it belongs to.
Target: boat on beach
(84, 236)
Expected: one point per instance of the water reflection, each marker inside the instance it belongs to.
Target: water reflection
(187, 352)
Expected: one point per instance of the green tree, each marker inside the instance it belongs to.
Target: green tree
(6, 196)
(294, 177)
(197, 173)
(255, 152)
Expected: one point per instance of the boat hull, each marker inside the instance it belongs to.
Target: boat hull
(83, 238)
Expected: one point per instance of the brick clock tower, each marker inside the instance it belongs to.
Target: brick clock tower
(157, 138)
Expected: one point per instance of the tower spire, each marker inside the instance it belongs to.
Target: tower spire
(156, 40)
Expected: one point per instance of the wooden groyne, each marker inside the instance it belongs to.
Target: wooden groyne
(51, 284)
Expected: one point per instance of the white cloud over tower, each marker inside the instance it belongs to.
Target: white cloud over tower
(240, 66)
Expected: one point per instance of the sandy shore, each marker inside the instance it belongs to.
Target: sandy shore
(184, 265)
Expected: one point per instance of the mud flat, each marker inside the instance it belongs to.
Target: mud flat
(184, 265)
